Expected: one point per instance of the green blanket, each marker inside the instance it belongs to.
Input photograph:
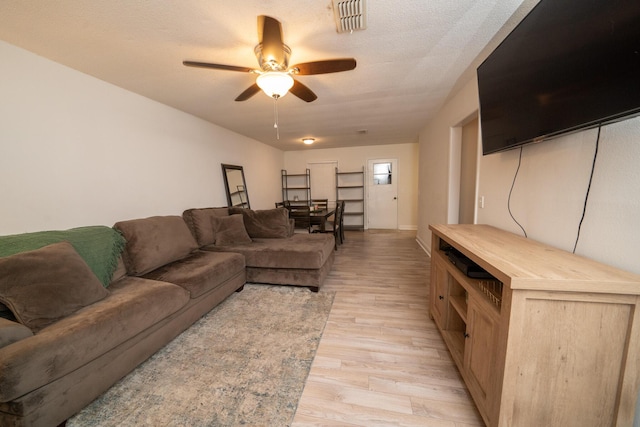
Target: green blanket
(99, 246)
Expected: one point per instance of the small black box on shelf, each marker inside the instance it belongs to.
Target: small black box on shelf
(467, 266)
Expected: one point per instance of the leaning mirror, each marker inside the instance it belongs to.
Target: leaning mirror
(235, 186)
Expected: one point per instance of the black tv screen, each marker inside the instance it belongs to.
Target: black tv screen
(569, 65)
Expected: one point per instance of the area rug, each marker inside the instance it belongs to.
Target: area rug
(244, 363)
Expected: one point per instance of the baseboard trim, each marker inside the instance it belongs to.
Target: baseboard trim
(424, 246)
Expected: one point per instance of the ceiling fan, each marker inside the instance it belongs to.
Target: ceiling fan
(275, 77)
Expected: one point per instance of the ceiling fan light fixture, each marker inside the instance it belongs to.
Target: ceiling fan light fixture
(308, 141)
(275, 84)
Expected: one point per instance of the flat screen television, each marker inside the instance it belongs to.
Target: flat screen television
(569, 65)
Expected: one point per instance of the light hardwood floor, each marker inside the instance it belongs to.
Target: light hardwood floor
(381, 361)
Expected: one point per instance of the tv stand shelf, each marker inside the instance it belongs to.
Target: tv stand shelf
(552, 341)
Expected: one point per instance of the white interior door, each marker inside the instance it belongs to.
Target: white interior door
(382, 193)
(323, 180)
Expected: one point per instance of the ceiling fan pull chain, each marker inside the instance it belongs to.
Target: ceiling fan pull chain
(275, 115)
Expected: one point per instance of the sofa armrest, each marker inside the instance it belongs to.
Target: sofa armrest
(11, 332)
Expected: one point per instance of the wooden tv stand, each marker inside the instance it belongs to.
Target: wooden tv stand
(553, 341)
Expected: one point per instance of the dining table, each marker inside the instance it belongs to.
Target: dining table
(319, 217)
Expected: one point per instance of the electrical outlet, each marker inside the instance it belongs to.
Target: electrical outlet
(481, 202)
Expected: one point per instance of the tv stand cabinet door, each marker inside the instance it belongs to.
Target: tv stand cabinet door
(439, 291)
(481, 369)
(572, 361)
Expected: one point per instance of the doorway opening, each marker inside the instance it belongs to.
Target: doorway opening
(463, 171)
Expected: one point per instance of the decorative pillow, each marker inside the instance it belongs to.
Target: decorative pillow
(229, 230)
(100, 246)
(270, 223)
(199, 222)
(154, 242)
(45, 285)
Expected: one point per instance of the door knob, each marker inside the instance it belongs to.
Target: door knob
(395, 198)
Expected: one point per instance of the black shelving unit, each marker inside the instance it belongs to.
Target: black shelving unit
(350, 188)
(296, 188)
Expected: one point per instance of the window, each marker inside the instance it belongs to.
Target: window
(382, 173)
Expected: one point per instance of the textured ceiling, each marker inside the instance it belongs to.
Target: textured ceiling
(408, 59)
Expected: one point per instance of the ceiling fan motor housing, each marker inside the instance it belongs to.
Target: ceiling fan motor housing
(270, 64)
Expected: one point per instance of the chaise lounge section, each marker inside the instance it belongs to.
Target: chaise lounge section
(273, 253)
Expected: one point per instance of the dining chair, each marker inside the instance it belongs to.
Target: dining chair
(301, 216)
(336, 226)
(341, 221)
(316, 206)
(321, 204)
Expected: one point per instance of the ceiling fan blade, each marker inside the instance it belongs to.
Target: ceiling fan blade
(325, 67)
(270, 36)
(248, 93)
(217, 66)
(303, 92)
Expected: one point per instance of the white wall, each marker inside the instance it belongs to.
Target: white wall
(550, 189)
(434, 159)
(354, 158)
(77, 151)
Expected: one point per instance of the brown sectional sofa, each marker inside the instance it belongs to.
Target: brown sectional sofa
(106, 306)
(275, 255)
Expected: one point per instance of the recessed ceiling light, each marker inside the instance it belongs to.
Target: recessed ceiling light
(308, 141)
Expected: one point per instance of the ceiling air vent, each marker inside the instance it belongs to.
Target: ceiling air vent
(350, 15)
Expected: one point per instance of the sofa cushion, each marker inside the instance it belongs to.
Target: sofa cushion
(47, 284)
(11, 332)
(155, 241)
(298, 251)
(120, 272)
(134, 305)
(270, 223)
(199, 222)
(201, 271)
(229, 230)
(309, 277)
